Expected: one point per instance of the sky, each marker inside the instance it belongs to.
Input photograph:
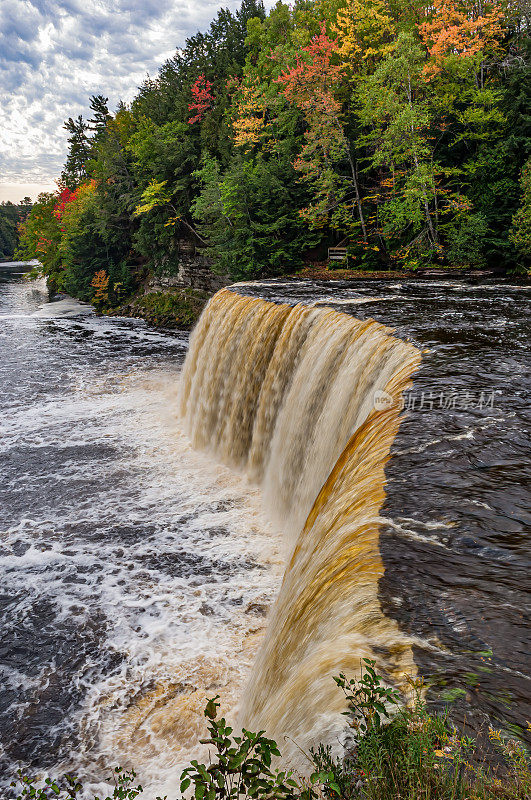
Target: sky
(54, 54)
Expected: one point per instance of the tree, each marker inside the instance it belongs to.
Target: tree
(520, 234)
(100, 117)
(163, 155)
(75, 169)
(24, 208)
(460, 29)
(250, 107)
(310, 86)
(466, 240)
(488, 140)
(202, 99)
(248, 215)
(366, 33)
(65, 196)
(116, 189)
(396, 114)
(9, 219)
(40, 236)
(100, 284)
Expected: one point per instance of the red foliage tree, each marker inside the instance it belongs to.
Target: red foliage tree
(310, 85)
(65, 196)
(202, 99)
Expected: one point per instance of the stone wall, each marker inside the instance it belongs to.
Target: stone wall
(190, 268)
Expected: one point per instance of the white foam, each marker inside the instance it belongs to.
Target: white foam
(67, 307)
(175, 627)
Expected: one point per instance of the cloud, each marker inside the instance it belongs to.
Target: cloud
(54, 54)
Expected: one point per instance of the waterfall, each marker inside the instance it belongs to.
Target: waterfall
(286, 394)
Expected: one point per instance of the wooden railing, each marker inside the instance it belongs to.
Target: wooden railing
(337, 253)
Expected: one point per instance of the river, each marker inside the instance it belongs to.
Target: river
(136, 572)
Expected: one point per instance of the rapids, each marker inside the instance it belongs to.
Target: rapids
(139, 574)
(135, 572)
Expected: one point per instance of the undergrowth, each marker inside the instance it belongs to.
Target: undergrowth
(397, 753)
(172, 308)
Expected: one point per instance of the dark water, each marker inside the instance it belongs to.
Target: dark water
(456, 541)
(130, 567)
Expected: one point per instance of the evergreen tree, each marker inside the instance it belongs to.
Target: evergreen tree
(79, 151)
(100, 116)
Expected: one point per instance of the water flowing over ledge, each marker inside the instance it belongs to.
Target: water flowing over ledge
(286, 394)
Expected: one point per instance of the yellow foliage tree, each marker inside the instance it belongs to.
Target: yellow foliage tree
(366, 32)
(250, 107)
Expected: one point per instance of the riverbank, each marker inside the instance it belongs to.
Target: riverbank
(168, 308)
(172, 307)
(324, 272)
(181, 307)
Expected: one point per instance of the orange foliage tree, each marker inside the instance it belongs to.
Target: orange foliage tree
(460, 28)
(100, 284)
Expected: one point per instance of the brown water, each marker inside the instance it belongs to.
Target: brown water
(456, 519)
(137, 573)
(289, 393)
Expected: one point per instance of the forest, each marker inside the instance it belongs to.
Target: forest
(11, 217)
(399, 130)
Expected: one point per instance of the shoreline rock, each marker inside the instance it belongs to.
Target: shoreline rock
(168, 308)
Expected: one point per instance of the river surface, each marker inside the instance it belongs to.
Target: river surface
(135, 573)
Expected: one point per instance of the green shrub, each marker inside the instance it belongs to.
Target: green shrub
(173, 308)
(409, 753)
(70, 788)
(242, 765)
(466, 241)
(398, 753)
(520, 233)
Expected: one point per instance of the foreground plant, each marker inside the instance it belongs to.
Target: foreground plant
(70, 788)
(241, 767)
(407, 752)
(397, 753)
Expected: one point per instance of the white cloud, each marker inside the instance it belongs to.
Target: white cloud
(54, 54)
(16, 191)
